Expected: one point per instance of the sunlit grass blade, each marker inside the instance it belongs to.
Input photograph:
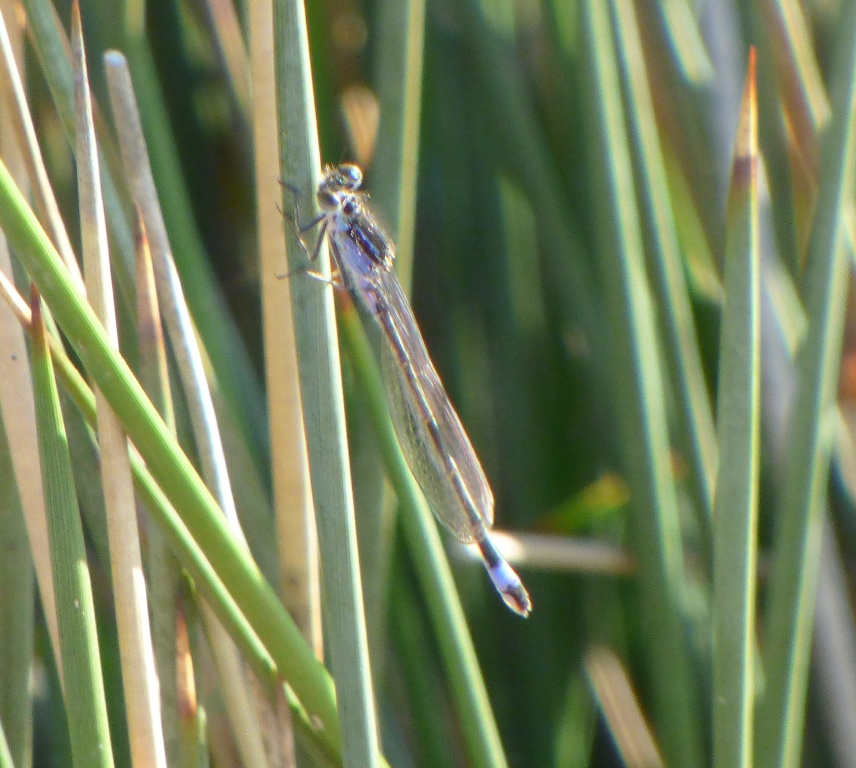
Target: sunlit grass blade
(297, 543)
(163, 567)
(735, 514)
(687, 46)
(45, 200)
(793, 581)
(620, 706)
(140, 686)
(640, 409)
(323, 400)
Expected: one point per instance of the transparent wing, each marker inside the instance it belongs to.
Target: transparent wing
(429, 431)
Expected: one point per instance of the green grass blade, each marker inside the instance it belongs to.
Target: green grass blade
(413, 643)
(790, 604)
(191, 557)
(323, 402)
(400, 46)
(834, 649)
(681, 30)
(522, 149)
(791, 155)
(83, 682)
(641, 413)
(735, 518)
(696, 431)
(6, 760)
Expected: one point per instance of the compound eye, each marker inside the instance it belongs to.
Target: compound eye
(327, 200)
(351, 175)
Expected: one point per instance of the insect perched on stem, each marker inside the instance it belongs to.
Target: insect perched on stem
(431, 436)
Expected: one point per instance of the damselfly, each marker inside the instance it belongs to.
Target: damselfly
(429, 431)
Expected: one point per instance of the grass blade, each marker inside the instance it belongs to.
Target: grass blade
(323, 403)
(139, 678)
(735, 515)
(292, 493)
(17, 617)
(164, 571)
(83, 682)
(641, 411)
(696, 431)
(400, 46)
(790, 604)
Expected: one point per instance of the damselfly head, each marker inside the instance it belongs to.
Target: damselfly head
(350, 176)
(346, 177)
(337, 188)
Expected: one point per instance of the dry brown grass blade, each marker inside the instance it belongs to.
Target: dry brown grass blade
(139, 678)
(295, 516)
(620, 707)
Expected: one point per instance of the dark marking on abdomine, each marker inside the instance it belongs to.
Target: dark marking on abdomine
(370, 240)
